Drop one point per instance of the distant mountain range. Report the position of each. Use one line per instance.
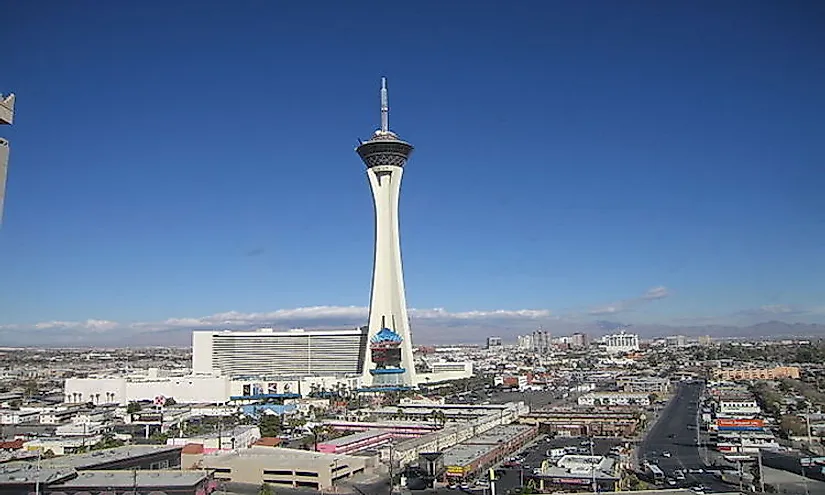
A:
(424, 333)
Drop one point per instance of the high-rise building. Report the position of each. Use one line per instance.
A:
(525, 342)
(494, 342)
(6, 118)
(542, 340)
(676, 341)
(390, 360)
(578, 340)
(621, 342)
(290, 353)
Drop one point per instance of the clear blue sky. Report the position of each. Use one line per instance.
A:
(175, 159)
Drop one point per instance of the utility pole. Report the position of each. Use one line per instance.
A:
(392, 475)
(804, 479)
(808, 424)
(761, 475)
(37, 474)
(739, 465)
(592, 467)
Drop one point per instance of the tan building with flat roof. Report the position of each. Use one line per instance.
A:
(774, 373)
(281, 467)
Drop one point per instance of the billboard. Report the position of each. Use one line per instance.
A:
(740, 424)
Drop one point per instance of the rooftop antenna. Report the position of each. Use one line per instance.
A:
(385, 107)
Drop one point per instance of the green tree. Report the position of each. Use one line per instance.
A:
(270, 425)
(793, 425)
(133, 407)
(159, 438)
(30, 387)
(265, 489)
(107, 442)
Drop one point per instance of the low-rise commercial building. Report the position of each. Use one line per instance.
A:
(233, 438)
(774, 373)
(27, 478)
(18, 416)
(468, 458)
(614, 399)
(572, 422)
(647, 385)
(357, 442)
(141, 457)
(283, 467)
(572, 472)
(166, 481)
(456, 432)
(743, 405)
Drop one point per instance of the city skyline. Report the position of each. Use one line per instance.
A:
(664, 172)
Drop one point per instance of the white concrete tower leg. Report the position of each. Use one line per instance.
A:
(6, 118)
(388, 305)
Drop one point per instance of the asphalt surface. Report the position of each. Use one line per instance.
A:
(538, 452)
(675, 432)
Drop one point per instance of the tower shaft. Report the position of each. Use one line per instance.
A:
(388, 301)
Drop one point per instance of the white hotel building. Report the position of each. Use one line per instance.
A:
(229, 365)
(266, 352)
(621, 343)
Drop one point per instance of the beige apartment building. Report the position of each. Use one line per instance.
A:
(756, 373)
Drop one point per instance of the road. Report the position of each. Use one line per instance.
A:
(675, 433)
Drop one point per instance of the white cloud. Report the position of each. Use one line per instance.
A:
(333, 315)
(625, 305)
(87, 325)
(607, 310)
(773, 310)
(659, 292)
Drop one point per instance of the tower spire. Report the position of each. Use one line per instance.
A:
(385, 107)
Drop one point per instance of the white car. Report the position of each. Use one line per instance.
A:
(666, 454)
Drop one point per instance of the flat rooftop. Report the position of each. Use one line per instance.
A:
(499, 434)
(238, 430)
(277, 454)
(463, 454)
(20, 473)
(98, 457)
(143, 479)
(358, 437)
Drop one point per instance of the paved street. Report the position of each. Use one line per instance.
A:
(675, 433)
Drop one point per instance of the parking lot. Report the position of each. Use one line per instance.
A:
(539, 451)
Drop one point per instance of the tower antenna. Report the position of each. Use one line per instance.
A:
(385, 107)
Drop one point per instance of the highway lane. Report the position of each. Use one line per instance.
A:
(675, 433)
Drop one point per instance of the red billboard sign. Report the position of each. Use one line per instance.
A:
(740, 423)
